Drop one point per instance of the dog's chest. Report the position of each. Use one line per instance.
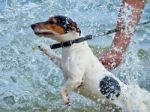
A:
(72, 59)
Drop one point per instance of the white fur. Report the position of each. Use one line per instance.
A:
(83, 73)
(64, 37)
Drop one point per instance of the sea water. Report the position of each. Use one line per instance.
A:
(31, 83)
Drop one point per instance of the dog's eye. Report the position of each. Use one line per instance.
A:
(51, 22)
(59, 21)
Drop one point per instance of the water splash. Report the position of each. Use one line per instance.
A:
(28, 82)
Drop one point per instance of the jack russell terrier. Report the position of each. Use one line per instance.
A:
(82, 70)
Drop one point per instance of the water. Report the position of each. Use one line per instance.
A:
(28, 82)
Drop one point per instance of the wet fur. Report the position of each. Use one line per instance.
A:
(82, 70)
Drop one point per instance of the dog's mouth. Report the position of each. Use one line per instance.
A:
(43, 32)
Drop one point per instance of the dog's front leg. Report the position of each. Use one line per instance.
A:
(56, 59)
(69, 86)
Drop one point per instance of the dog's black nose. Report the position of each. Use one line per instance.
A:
(33, 26)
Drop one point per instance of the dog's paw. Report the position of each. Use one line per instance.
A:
(65, 98)
(67, 102)
(44, 47)
(80, 85)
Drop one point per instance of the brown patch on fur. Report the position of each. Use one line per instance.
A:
(48, 26)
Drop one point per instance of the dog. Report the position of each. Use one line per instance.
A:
(82, 70)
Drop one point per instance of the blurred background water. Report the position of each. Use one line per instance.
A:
(31, 83)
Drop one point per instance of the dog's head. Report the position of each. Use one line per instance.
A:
(59, 28)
